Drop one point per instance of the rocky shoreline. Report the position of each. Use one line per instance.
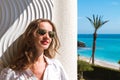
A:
(81, 44)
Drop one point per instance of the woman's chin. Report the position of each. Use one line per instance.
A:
(45, 47)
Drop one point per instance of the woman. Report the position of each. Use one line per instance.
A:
(35, 58)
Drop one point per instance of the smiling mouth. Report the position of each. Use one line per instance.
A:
(45, 42)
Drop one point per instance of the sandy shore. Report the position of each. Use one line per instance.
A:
(102, 63)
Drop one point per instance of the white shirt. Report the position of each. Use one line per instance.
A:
(53, 71)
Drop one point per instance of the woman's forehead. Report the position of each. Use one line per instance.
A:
(46, 26)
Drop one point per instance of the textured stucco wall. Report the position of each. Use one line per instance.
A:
(14, 16)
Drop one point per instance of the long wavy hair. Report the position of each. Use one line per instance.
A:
(27, 55)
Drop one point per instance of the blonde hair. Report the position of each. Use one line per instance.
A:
(27, 52)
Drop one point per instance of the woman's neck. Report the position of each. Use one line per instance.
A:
(41, 58)
(38, 68)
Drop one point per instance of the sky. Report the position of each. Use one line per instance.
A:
(108, 9)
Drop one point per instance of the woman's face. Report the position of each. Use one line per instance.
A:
(42, 35)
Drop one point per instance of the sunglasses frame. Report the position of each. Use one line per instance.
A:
(43, 32)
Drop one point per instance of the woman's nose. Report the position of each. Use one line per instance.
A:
(47, 35)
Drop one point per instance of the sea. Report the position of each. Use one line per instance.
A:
(107, 47)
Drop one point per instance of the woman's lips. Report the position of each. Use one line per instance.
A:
(45, 42)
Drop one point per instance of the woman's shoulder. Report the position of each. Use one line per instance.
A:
(57, 62)
(7, 73)
(10, 74)
(57, 67)
(53, 61)
(7, 70)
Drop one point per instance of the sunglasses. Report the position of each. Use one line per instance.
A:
(43, 32)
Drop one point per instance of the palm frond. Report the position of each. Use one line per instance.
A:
(96, 21)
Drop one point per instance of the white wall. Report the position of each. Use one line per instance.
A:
(65, 17)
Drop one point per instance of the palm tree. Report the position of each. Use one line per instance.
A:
(97, 22)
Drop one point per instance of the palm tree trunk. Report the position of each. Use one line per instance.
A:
(94, 46)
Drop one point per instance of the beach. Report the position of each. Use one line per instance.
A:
(106, 54)
(101, 63)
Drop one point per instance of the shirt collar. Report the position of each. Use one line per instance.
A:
(48, 60)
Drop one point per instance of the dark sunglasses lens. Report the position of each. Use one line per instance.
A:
(51, 34)
(41, 32)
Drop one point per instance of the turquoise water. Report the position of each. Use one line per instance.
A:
(107, 47)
